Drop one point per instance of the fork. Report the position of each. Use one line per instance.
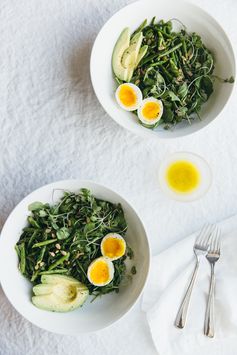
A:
(212, 256)
(200, 249)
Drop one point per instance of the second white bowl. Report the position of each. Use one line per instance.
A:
(196, 20)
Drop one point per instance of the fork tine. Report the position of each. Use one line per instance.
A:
(204, 235)
(218, 241)
(215, 240)
(212, 239)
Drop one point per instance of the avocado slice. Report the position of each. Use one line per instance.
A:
(59, 293)
(130, 74)
(121, 45)
(141, 54)
(53, 303)
(129, 57)
(42, 289)
(57, 278)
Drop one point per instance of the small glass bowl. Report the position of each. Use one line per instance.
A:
(204, 171)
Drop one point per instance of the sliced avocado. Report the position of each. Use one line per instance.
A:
(56, 278)
(121, 45)
(129, 57)
(73, 299)
(130, 74)
(42, 289)
(59, 293)
(141, 54)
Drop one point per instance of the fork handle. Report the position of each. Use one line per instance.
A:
(209, 317)
(183, 309)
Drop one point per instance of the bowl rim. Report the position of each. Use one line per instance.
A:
(146, 133)
(145, 235)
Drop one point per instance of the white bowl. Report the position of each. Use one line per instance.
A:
(92, 316)
(196, 20)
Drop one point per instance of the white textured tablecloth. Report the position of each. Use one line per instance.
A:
(52, 128)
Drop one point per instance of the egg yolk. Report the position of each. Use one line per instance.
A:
(151, 110)
(183, 176)
(113, 247)
(99, 272)
(127, 96)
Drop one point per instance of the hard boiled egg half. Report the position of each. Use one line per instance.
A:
(100, 272)
(128, 96)
(150, 111)
(113, 246)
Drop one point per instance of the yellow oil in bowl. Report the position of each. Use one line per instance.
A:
(183, 176)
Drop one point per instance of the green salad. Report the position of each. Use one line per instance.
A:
(80, 238)
(165, 76)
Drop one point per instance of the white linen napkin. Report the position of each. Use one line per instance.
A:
(169, 276)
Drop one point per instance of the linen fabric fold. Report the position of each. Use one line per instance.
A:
(169, 276)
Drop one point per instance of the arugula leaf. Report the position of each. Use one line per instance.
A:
(63, 233)
(207, 85)
(182, 91)
(171, 95)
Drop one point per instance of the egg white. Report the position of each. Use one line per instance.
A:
(137, 93)
(145, 120)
